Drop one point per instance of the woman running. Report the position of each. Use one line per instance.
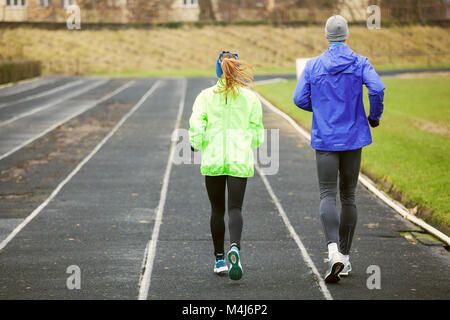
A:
(226, 124)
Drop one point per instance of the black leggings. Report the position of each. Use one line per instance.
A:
(215, 186)
(338, 228)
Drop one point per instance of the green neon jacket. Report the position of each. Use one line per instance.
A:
(226, 130)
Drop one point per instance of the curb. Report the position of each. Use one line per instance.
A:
(367, 182)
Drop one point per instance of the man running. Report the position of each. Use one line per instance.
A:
(331, 87)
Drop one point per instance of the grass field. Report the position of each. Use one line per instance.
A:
(191, 51)
(410, 155)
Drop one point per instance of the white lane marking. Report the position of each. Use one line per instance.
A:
(269, 81)
(367, 182)
(304, 252)
(77, 168)
(144, 284)
(104, 98)
(10, 89)
(42, 94)
(300, 130)
(55, 102)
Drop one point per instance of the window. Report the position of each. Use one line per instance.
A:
(66, 3)
(45, 3)
(190, 3)
(16, 3)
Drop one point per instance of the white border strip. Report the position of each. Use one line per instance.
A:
(304, 252)
(150, 251)
(369, 184)
(77, 168)
(366, 182)
(270, 81)
(104, 98)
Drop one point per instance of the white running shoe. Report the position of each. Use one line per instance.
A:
(346, 270)
(335, 266)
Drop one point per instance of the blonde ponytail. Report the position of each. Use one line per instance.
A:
(236, 73)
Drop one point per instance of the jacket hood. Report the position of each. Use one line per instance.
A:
(338, 58)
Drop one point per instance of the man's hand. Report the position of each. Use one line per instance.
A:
(373, 123)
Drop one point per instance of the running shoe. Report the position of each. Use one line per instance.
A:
(335, 266)
(220, 266)
(347, 268)
(235, 271)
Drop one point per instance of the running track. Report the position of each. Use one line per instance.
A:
(137, 225)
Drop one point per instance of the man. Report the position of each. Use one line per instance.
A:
(331, 88)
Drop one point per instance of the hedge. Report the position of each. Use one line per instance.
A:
(12, 71)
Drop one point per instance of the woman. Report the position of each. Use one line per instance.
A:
(226, 124)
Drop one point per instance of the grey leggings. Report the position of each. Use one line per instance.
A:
(338, 228)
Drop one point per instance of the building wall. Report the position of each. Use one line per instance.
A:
(48, 14)
(353, 10)
(248, 11)
(180, 12)
(118, 11)
(12, 13)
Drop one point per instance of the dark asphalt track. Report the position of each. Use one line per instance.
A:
(102, 219)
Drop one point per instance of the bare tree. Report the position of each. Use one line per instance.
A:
(147, 10)
(415, 10)
(206, 10)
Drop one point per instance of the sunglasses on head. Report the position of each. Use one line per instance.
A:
(228, 52)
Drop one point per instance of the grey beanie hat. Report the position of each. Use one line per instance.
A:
(336, 28)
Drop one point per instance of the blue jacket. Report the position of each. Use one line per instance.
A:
(331, 88)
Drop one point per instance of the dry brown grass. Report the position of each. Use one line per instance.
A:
(190, 48)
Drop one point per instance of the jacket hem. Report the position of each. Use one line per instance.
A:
(207, 172)
(326, 148)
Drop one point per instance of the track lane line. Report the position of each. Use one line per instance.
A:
(150, 251)
(10, 89)
(42, 94)
(322, 286)
(53, 103)
(102, 99)
(36, 211)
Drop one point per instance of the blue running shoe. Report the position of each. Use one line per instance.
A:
(235, 271)
(220, 266)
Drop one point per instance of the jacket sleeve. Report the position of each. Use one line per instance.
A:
(376, 90)
(256, 124)
(302, 93)
(197, 123)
